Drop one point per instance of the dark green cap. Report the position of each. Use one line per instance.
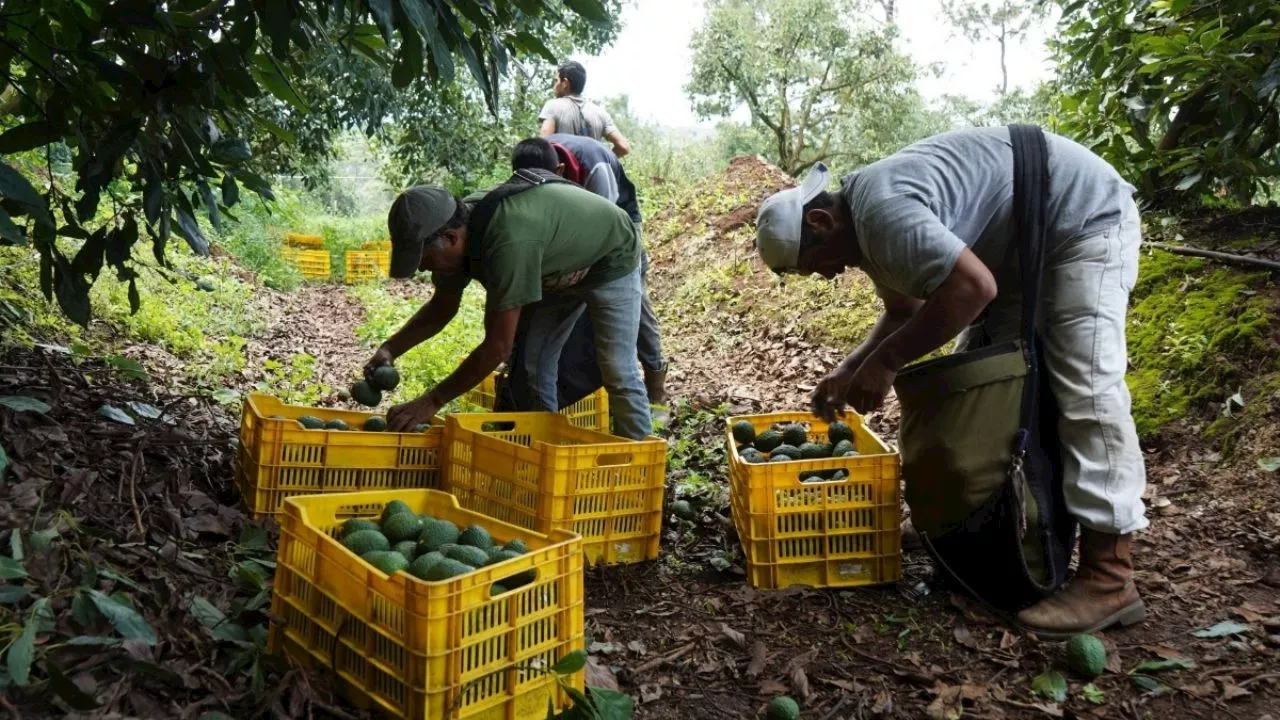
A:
(417, 214)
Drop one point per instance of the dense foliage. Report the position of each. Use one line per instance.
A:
(162, 105)
(1183, 96)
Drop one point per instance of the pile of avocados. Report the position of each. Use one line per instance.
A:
(788, 442)
(373, 424)
(429, 548)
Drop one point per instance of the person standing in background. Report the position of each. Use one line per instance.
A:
(570, 114)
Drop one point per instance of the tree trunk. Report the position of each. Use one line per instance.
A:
(890, 11)
(1004, 68)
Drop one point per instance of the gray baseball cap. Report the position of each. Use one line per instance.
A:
(781, 217)
(417, 214)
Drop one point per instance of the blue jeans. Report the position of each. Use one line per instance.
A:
(614, 308)
(649, 343)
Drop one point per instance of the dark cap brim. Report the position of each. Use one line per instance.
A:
(406, 256)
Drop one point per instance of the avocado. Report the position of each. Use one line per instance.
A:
(838, 431)
(446, 569)
(840, 475)
(1086, 656)
(365, 394)
(516, 546)
(375, 424)
(435, 534)
(768, 440)
(421, 428)
(421, 564)
(335, 424)
(469, 554)
(794, 434)
(357, 524)
(684, 510)
(744, 432)
(751, 455)
(814, 451)
(395, 507)
(496, 590)
(790, 451)
(841, 448)
(204, 284)
(385, 378)
(387, 561)
(407, 548)
(311, 422)
(363, 541)
(780, 458)
(402, 526)
(475, 536)
(782, 708)
(501, 556)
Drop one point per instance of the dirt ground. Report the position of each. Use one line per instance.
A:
(149, 508)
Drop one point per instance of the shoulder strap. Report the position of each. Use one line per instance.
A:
(482, 213)
(1030, 197)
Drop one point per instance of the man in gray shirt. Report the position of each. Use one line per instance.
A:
(570, 114)
(930, 225)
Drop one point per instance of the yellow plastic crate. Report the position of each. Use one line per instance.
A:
(538, 471)
(313, 264)
(303, 241)
(278, 459)
(384, 245)
(367, 265)
(821, 533)
(427, 650)
(591, 412)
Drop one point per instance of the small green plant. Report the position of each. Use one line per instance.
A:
(291, 381)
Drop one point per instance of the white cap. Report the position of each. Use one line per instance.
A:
(781, 215)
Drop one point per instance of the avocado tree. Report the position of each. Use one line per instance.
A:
(1004, 22)
(821, 79)
(1183, 96)
(164, 105)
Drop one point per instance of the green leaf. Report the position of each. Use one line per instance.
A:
(11, 569)
(29, 136)
(16, 188)
(1050, 684)
(215, 621)
(41, 540)
(268, 74)
(1147, 684)
(111, 412)
(9, 232)
(190, 230)
(23, 403)
(226, 396)
(4, 463)
(1188, 181)
(1269, 464)
(210, 205)
(571, 663)
(125, 619)
(22, 653)
(83, 611)
(68, 691)
(1154, 666)
(253, 537)
(15, 545)
(1222, 629)
(130, 367)
(135, 300)
(230, 190)
(381, 10)
(611, 704)
(589, 9)
(72, 292)
(12, 594)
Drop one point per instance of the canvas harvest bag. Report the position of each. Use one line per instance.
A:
(980, 453)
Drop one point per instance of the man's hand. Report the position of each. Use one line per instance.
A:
(870, 384)
(829, 397)
(381, 357)
(406, 417)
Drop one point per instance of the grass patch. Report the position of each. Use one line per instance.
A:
(432, 361)
(1195, 335)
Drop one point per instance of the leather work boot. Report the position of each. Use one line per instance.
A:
(655, 384)
(1101, 594)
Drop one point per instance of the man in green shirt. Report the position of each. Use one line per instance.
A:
(553, 244)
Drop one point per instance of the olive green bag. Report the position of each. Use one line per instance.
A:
(980, 454)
